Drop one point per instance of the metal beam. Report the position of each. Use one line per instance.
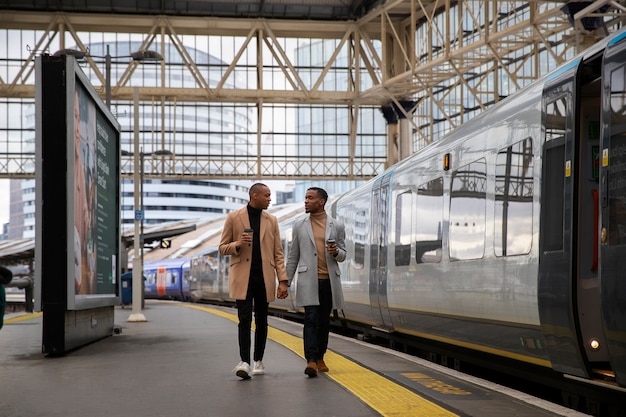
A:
(445, 55)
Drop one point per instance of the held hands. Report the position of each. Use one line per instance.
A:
(283, 290)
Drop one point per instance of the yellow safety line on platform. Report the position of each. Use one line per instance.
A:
(380, 393)
(22, 318)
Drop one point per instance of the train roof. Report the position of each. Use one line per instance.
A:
(166, 262)
(206, 236)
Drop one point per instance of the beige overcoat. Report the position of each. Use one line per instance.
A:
(272, 255)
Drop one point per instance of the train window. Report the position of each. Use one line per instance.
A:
(347, 214)
(429, 218)
(556, 112)
(360, 237)
(556, 118)
(404, 210)
(514, 199)
(552, 196)
(467, 211)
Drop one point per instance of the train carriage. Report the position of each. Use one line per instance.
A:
(209, 277)
(449, 236)
(505, 237)
(167, 279)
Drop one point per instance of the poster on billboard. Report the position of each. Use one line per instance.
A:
(95, 211)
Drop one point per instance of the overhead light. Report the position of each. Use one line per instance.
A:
(146, 55)
(76, 53)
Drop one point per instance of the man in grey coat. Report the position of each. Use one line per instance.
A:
(317, 247)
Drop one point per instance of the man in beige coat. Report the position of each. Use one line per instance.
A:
(252, 239)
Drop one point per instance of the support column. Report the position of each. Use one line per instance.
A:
(399, 130)
(137, 313)
(391, 117)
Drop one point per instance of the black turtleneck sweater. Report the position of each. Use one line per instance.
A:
(254, 215)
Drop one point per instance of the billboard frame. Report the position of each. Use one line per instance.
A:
(77, 238)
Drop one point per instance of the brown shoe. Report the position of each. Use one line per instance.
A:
(321, 366)
(311, 369)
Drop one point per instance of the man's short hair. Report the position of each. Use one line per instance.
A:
(256, 188)
(321, 192)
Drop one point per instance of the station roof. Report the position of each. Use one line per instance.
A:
(16, 251)
(340, 10)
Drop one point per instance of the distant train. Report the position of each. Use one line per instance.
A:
(507, 238)
(209, 277)
(209, 274)
(167, 279)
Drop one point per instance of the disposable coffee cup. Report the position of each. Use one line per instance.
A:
(330, 242)
(248, 231)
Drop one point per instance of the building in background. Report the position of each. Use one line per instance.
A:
(285, 197)
(314, 133)
(21, 209)
(204, 128)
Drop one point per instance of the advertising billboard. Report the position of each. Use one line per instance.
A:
(77, 235)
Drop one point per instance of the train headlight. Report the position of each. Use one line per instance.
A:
(594, 344)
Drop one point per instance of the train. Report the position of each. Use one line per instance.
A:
(505, 239)
(167, 279)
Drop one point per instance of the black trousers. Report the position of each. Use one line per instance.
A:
(257, 298)
(317, 323)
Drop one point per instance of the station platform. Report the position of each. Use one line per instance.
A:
(179, 363)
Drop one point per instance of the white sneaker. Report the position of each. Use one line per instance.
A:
(242, 370)
(258, 368)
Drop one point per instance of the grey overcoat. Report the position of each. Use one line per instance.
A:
(302, 259)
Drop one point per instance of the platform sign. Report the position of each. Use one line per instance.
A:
(78, 214)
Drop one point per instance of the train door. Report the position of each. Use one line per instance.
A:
(185, 280)
(569, 281)
(381, 194)
(557, 230)
(613, 198)
(161, 281)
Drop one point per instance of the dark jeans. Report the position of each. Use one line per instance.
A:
(256, 296)
(317, 323)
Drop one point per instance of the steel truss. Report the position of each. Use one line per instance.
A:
(448, 59)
